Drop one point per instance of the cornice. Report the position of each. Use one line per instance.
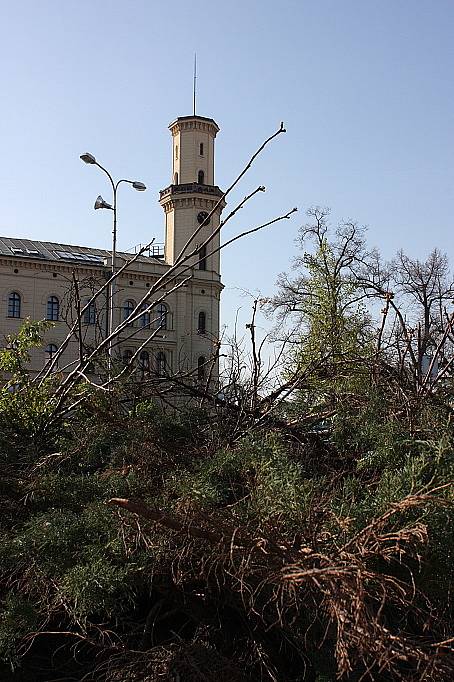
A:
(27, 266)
(185, 123)
(171, 203)
(48, 266)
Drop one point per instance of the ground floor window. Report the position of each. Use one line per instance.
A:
(161, 364)
(49, 352)
(144, 361)
(127, 356)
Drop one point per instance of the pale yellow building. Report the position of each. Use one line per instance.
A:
(39, 279)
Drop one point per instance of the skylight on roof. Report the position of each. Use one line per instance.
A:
(94, 257)
(69, 255)
(32, 253)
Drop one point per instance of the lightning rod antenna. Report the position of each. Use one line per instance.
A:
(195, 80)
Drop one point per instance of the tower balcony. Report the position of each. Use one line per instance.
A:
(191, 188)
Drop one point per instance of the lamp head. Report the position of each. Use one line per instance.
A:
(100, 203)
(139, 186)
(88, 158)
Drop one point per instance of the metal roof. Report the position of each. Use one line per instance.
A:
(53, 251)
(194, 116)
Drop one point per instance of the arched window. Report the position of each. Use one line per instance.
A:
(161, 364)
(144, 361)
(201, 149)
(50, 351)
(201, 368)
(201, 177)
(90, 314)
(14, 304)
(161, 316)
(128, 309)
(203, 258)
(127, 356)
(144, 319)
(201, 323)
(176, 151)
(175, 179)
(53, 308)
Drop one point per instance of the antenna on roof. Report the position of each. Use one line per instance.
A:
(195, 80)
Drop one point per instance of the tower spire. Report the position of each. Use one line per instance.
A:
(194, 84)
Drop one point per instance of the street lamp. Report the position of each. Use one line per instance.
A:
(88, 158)
(101, 203)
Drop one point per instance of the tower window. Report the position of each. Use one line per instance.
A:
(201, 323)
(176, 151)
(201, 368)
(53, 308)
(14, 304)
(201, 149)
(201, 177)
(203, 258)
(175, 179)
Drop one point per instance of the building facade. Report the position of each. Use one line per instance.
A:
(179, 327)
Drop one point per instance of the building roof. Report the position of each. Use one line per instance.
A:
(203, 119)
(194, 116)
(53, 251)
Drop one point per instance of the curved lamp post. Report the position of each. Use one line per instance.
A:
(101, 203)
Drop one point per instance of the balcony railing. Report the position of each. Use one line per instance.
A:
(153, 251)
(191, 187)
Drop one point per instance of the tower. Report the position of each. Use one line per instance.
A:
(192, 194)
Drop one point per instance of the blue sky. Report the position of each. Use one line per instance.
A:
(365, 89)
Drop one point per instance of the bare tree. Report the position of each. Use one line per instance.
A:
(415, 334)
(176, 276)
(427, 289)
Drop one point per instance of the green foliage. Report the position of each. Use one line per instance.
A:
(18, 617)
(52, 539)
(25, 408)
(333, 336)
(25, 422)
(15, 356)
(259, 474)
(362, 427)
(97, 588)
(94, 566)
(172, 428)
(336, 325)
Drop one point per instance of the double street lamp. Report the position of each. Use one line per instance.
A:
(101, 203)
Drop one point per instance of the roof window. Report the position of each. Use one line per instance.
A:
(68, 255)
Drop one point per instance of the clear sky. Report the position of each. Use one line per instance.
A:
(365, 88)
